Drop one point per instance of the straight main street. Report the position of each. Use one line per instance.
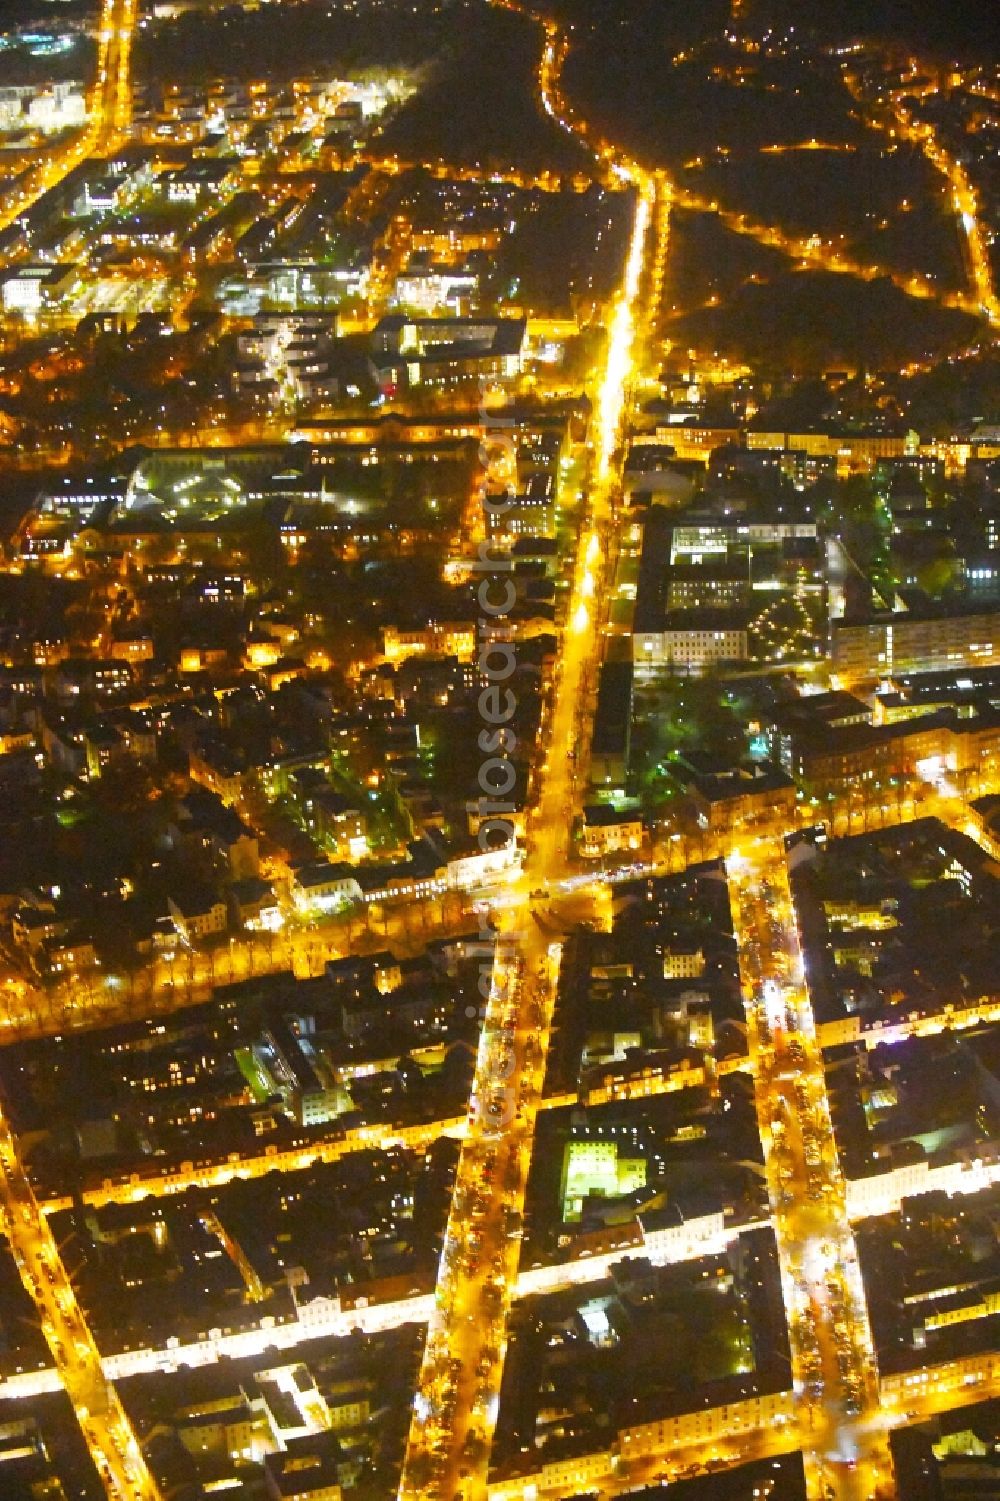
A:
(457, 1398)
(833, 1358)
(112, 1443)
(108, 115)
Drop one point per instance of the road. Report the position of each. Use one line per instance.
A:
(457, 1396)
(610, 1473)
(458, 1390)
(105, 1427)
(109, 113)
(168, 982)
(326, 1318)
(812, 252)
(903, 124)
(833, 1358)
(133, 1187)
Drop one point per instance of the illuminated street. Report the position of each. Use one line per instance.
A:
(105, 1427)
(962, 194)
(832, 1357)
(108, 119)
(455, 1407)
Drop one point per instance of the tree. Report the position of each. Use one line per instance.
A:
(264, 551)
